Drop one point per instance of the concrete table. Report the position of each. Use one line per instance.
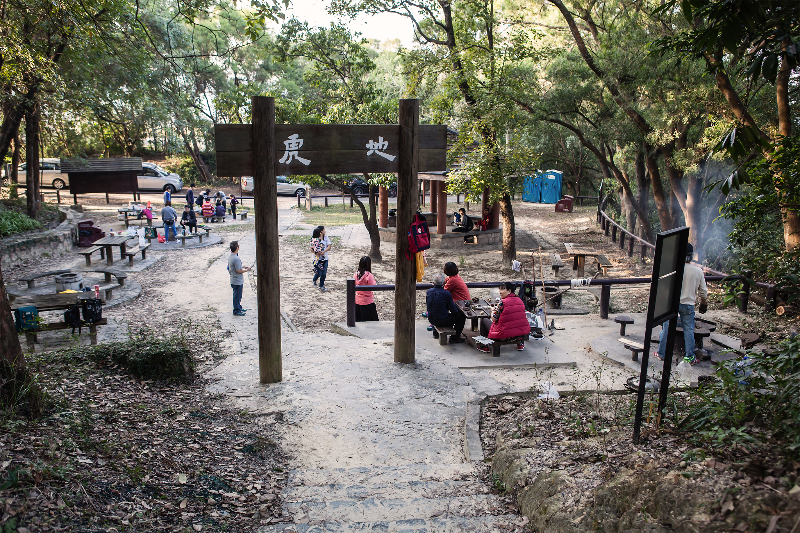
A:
(109, 242)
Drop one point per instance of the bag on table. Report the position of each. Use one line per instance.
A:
(26, 318)
(92, 310)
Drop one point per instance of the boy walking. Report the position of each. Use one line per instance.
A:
(237, 278)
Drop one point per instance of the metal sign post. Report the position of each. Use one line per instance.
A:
(265, 150)
(665, 297)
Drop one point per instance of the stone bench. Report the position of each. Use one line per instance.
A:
(623, 321)
(183, 238)
(556, 263)
(135, 250)
(635, 347)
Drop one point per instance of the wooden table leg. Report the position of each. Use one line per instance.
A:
(109, 254)
(581, 264)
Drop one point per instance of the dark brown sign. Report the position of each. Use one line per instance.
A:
(303, 149)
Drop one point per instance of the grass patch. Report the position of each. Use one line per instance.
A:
(12, 222)
(333, 215)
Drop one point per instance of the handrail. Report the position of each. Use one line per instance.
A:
(604, 284)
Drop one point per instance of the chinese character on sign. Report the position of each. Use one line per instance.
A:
(377, 147)
(292, 146)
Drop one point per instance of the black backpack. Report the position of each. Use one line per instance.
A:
(92, 310)
(72, 317)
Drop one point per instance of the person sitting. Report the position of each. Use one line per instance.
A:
(442, 311)
(146, 213)
(483, 224)
(454, 284)
(219, 212)
(208, 209)
(189, 219)
(462, 222)
(508, 322)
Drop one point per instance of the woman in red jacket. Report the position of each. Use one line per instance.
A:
(454, 284)
(508, 319)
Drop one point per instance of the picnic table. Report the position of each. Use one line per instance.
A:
(109, 242)
(579, 255)
(125, 211)
(56, 302)
(474, 311)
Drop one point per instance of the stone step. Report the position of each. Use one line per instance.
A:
(384, 474)
(482, 524)
(401, 490)
(391, 509)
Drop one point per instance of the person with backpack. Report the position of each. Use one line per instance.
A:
(237, 270)
(169, 216)
(365, 301)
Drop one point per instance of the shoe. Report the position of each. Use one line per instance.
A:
(655, 354)
(238, 313)
(243, 311)
(323, 289)
(520, 346)
(482, 348)
(435, 334)
(424, 314)
(691, 360)
(315, 283)
(430, 328)
(455, 340)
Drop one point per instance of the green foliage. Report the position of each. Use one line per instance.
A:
(753, 403)
(12, 222)
(167, 359)
(20, 392)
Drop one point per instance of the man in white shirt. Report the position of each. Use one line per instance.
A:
(694, 285)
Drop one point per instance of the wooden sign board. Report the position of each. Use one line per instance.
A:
(109, 175)
(303, 149)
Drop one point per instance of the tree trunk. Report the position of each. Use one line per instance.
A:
(627, 209)
(14, 174)
(10, 349)
(203, 168)
(32, 156)
(509, 240)
(674, 209)
(643, 189)
(659, 195)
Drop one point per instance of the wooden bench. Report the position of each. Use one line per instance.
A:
(623, 321)
(634, 346)
(31, 280)
(603, 263)
(444, 333)
(556, 263)
(183, 238)
(121, 276)
(133, 251)
(699, 334)
(31, 338)
(497, 343)
(206, 232)
(143, 220)
(87, 253)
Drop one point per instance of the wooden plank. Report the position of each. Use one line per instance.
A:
(405, 301)
(110, 164)
(236, 164)
(265, 186)
(323, 137)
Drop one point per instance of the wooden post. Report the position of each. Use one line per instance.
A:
(107, 200)
(434, 196)
(383, 207)
(605, 300)
(614, 234)
(75, 199)
(405, 302)
(422, 196)
(350, 299)
(494, 216)
(441, 215)
(265, 190)
(58, 196)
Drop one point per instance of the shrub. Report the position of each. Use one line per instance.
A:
(12, 222)
(753, 403)
(166, 359)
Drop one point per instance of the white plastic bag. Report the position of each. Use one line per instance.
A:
(140, 233)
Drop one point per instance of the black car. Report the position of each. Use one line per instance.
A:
(361, 188)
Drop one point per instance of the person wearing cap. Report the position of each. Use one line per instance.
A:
(694, 285)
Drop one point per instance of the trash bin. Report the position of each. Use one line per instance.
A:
(564, 205)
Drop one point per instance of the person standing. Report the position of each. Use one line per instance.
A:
(322, 254)
(365, 301)
(167, 196)
(237, 271)
(442, 311)
(234, 203)
(694, 285)
(190, 195)
(169, 216)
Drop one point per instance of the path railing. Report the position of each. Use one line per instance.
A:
(609, 226)
(604, 284)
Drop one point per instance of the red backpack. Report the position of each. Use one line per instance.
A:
(419, 238)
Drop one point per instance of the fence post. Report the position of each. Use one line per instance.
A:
(608, 223)
(769, 305)
(613, 234)
(644, 252)
(298, 200)
(351, 303)
(605, 300)
(631, 242)
(107, 200)
(58, 196)
(621, 240)
(326, 201)
(744, 295)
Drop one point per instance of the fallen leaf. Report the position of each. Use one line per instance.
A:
(182, 479)
(183, 503)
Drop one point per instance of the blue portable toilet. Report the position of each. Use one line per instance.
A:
(551, 186)
(532, 189)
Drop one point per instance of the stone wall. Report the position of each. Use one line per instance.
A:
(451, 240)
(31, 246)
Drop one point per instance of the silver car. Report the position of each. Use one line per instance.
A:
(49, 170)
(155, 178)
(284, 187)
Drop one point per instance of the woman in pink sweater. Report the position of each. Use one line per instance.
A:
(365, 303)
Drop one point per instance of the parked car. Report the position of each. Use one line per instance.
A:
(284, 187)
(49, 170)
(155, 178)
(361, 187)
